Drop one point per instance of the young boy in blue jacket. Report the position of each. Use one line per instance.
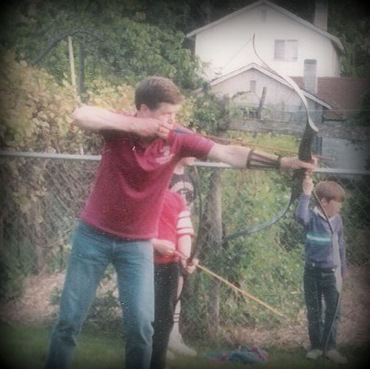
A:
(324, 265)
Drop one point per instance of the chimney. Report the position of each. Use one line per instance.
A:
(310, 75)
(321, 14)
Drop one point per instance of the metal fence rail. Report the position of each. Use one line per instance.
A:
(42, 195)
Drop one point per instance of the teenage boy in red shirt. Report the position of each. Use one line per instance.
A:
(139, 154)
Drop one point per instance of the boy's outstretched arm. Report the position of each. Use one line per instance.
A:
(240, 157)
(302, 213)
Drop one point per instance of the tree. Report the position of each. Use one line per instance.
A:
(114, 37)
(127, 40)
(349, 22)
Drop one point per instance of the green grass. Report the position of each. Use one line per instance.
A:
(25, 348)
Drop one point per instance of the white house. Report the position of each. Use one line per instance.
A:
(287, 43)
(240, 53)
(254, 87)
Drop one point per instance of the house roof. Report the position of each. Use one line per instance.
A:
(272, 75)
(344, 94)
(230, 16)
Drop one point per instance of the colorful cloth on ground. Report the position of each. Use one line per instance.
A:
(245, 355)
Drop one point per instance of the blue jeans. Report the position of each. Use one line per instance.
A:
(323, 321)
(91, 253)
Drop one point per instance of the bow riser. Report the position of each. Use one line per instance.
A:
(304, 151)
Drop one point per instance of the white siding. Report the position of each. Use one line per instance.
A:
(277, 95)
(227, 46)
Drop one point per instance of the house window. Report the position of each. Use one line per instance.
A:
(286, 50)
(252, 86)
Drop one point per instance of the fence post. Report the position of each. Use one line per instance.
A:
(215, 244)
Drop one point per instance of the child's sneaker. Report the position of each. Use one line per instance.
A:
(336, 357)
(177, 345)
(314, 354)
(170, 355)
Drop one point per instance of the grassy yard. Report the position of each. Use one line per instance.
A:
(25, 348)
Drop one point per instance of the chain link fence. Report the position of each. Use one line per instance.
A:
(260, 284)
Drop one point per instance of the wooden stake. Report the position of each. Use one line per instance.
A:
(71, 61)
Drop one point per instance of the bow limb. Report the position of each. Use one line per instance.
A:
(304, 154)
(195, 248)
(310, 131)
(197, 185)
(259, 227)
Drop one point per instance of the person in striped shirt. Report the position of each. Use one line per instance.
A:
(175, 233)
(325, 254)
(183, 183)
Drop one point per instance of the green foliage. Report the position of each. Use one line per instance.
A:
(290, 231)
(105, 314)
(208, 112)
(110, 38)
(349, 23)
(15, 264)
(354, 213)
(263, 263)
(117, 97)
(131, 51)
(260, 265)
(36, 111)
(37, 117)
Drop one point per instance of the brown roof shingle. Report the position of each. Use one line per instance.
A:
(344, 94)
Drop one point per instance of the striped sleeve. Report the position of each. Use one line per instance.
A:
(319, 239)
(184, 225)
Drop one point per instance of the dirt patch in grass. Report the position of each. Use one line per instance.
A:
(36, 308)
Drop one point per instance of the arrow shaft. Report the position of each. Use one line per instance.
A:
(235, 288)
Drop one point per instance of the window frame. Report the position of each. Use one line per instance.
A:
(286, 50)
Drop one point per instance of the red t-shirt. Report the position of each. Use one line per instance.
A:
(174, 222)
(132, 177)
